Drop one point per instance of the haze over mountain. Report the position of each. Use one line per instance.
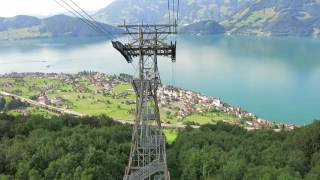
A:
(277, 17)
(204, 27)
(136, 11)
(22, 27)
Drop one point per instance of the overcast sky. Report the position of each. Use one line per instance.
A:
(10, 8)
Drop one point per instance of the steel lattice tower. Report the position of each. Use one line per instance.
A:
(148, 149)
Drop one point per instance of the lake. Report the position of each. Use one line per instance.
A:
(277, 78)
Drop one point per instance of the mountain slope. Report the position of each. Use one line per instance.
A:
(206, 27)
(18, 22)
(277, 17)
(136, 11)
(22, 27)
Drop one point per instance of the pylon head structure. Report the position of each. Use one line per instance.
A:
(148, 149)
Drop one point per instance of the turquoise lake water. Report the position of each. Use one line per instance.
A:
(276, 78)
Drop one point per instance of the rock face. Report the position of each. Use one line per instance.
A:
(151, 11)
(276, 17)
(22, 27)
(204, 27)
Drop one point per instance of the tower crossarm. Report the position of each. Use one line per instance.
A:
(150, 29)
(130, 51)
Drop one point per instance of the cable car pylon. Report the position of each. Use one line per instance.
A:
(148, 149)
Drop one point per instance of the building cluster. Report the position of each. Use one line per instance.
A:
(6, 84)
(186, 101)
(104, 83)
(56, 101)
(180, 101)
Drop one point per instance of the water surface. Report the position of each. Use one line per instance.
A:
(276, 78)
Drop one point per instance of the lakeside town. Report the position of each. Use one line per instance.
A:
(177, 104)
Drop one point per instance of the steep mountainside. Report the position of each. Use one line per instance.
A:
(21, 27)
(206, 27)
(136, 11)
(277, 17)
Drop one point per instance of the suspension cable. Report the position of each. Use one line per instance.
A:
(173, 11)
(169, 11)
(95, 22)
(83, 20)
(178, 9)
(81, 17)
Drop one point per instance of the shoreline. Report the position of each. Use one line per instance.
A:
(176, 98)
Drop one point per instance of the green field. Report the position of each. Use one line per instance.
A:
(113, 104)
(171, 135)
(209, 117)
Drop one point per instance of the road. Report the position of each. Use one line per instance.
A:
(77, 114)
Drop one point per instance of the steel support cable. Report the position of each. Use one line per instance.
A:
(173, 67)
(77, 16)
(172, 74)
(83, 17)
(173, 11)
(135, 69)
(169, 11)
(83, 20)
(178, 9)
(93, 20)
(88, 22)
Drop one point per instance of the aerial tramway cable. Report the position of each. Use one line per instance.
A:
(178, 9)
(93, 20)
(83, 17)
(173, 2)
(96, 26)
(77, 14)
(169, 10)
(74, 14)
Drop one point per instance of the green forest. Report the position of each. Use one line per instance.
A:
(229, 152)
(40, 147)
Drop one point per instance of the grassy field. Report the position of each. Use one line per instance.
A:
(171, 135)
(209, 117)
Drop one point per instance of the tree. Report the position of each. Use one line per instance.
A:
(314, 173)
(65, 147)
(2, 103)
(15, 104)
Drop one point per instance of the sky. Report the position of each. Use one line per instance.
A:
(9, 8)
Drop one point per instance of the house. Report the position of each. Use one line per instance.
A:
(43, 100)
(57, 101)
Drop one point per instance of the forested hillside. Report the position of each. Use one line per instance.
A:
(136, 11)
(228, 152)
(67, 148)
(22, 27)
(277, 17)
(37, 147)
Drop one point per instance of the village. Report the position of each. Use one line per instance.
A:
(177, 102)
